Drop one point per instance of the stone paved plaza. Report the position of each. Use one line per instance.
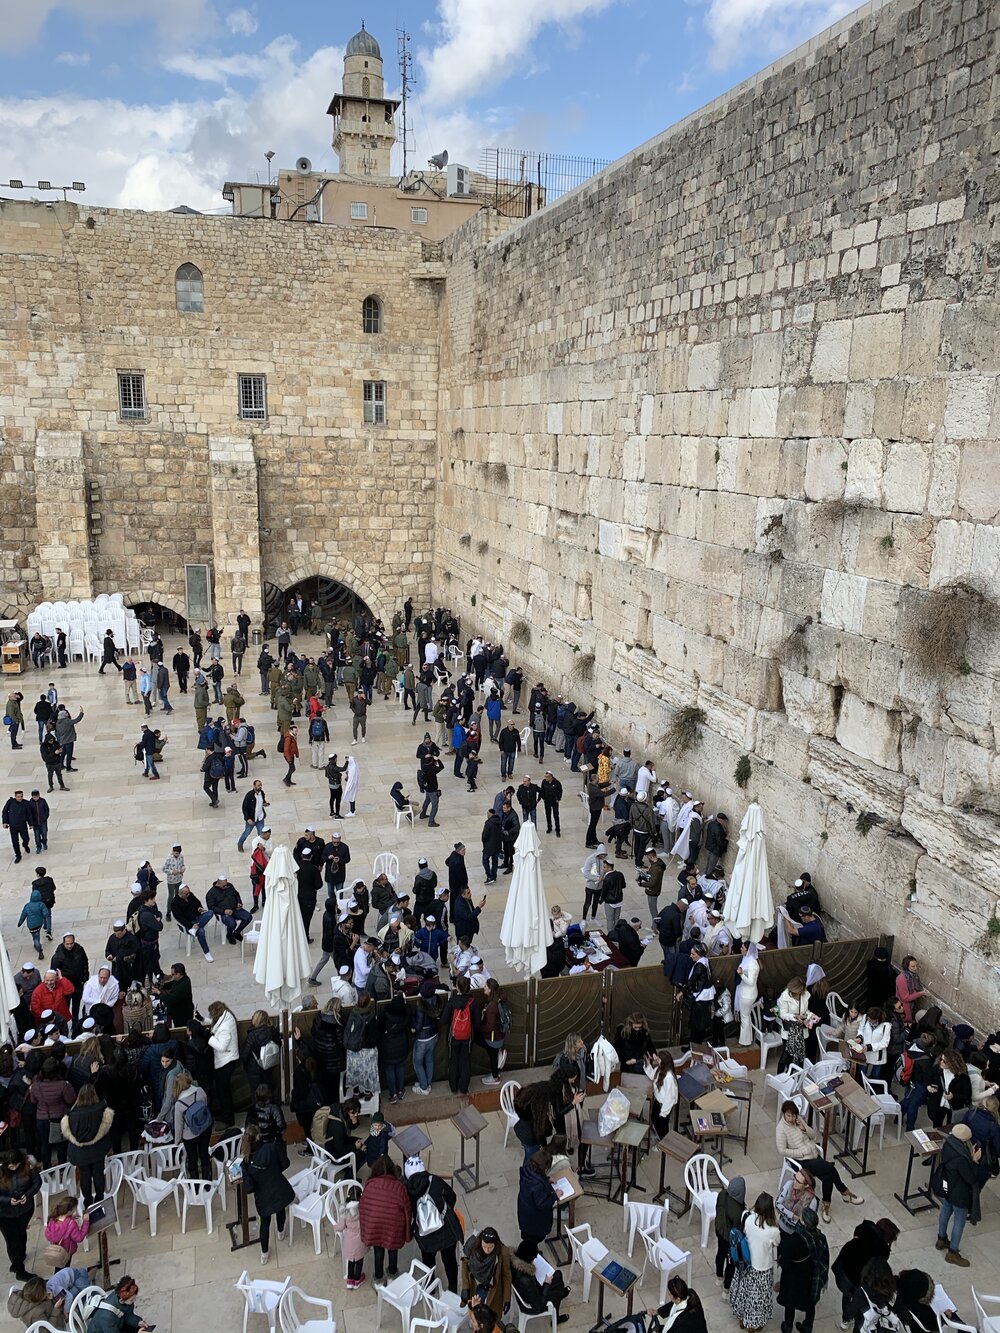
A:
(112, 818)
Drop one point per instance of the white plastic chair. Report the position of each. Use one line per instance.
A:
(446, 1305)
(251, 938)
(789, 1166)
(150, 1193)
(309, 1210)
(697, 1177)
(507, 1094)
(81, 1308)
(643, 1217)
(403, 812)
(837, 1006)
(56, 1180)
(134, 1162)
(387, 862)
(114, 1175)
(428, 1326)
(785, 1085)
(800, 1102)
(167, 1159)
(767, 1041)
(325, 1163)
(290, 1313)
(823, 1070)
(228, 1150)
(198, 1194)
(75, 644)
(523, 1315)
(261, 1296)
(889, 1108)
(587, 1251)
(404, 1293)
(987, 1323)
(665, 1258)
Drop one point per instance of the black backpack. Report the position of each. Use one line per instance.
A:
(217, 768)
(355, 1030)
(138, 753)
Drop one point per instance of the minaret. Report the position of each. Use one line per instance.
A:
(363, 127)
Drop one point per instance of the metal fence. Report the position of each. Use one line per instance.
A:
(518, 182)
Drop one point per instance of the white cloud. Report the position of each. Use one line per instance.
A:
(241, 22)
(21, 21)
(224, 69)
(75, 58)
(482, 40)
(766, 27)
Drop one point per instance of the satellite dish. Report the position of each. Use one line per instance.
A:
(303, 166)
(439, 161)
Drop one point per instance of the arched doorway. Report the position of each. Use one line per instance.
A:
(336, 600)
(154, 615)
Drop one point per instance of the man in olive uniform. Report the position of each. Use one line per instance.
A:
(401, 648)
(311, 679)
(200, 698)
(350, 676)
(273, 682)
(286, 708)
(233, 701)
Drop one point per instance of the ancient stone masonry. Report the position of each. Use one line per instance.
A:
(86, 293)
(724, 418)
(717, 431)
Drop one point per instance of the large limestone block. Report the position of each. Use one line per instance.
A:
(836, 772)
(923, 752)
(906, 476)
(832, 353)
(764, 411)
(876, 342)
(753, 679)
(703, 366)
(966, 842)
(843, 603)
(783, 745)
(951, 906)
(979, 481)
(734, 720)
(970, 399)
(971, 773)
(869, 731)
(968, 705)
(810, 705)
(865, 467)
(824, 469)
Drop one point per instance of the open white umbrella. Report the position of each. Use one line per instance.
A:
(282, 962)
(526, 930)
(749, 910)
(9, 997)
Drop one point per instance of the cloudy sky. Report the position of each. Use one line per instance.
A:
(154, 103)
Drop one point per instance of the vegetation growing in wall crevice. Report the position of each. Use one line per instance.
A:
(520, 633)
(947, 617)
(497, 473)
(685, 730)
(465, 539)
(835, 510)
(583, 667)
(743, 771)
(482, 547)
(867, 820)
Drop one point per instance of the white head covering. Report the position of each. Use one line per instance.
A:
(752, 951)
(413, 1166)
(813, 974)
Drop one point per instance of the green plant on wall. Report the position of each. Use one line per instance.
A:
(743, 770)
(948, 616)
(520, 633)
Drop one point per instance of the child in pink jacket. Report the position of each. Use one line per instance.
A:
(354, 1248)
(64, 1227)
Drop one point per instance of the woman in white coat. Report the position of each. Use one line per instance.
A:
(751, 1295)
(225, 1043)
(746, 991)
(351, 779)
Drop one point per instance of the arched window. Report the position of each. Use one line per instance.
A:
(190, 287)
(371, 314)
(366, 86)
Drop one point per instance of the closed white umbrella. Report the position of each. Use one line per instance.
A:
(526, 930)
(9, 997)
(749, 910)
(282, 962)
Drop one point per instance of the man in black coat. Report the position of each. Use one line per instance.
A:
(698, 994)
(18, 818)
(458, 873)
(626, 935)
(122, 952)
(510, 827)
(71, 960)
(528, 795)
(336, 859)
(551, 792)
(223, 899)
(716, 841)
(310, 878)
(671, 931)
(492, 845)
(465, 916)
(314, 842)
(182, 669)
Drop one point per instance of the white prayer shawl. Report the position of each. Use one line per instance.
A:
(785, 939)
(697, 915)
(682, 846)
(352, 779)
(669, 811)
(606, 1061)
(717, 938)
(95, 993)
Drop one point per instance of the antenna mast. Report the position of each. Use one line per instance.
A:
(406, 82)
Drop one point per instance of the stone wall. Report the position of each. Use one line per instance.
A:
(715, 425)
(85, 293)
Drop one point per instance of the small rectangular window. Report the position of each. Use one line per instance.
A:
(253, 397)
(131, 395)
(359, 211)
(375, 402)
(418, 215)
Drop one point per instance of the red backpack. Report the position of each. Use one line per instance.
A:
(461, 1023)
(904, 1067)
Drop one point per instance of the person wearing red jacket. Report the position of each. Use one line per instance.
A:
(52, 993)
(385, 1212)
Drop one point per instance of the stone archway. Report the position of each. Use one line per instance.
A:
(155, 593)
(369, 589)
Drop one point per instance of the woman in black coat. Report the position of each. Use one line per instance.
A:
(264, 1166)
(394, 1043)
(328, 1050)
(683, 1312)
(260, 1034)
(633, 1044)
(533, 1296)
(19, 1183)
(804, 1264)
(536, 1198)
(86, 1127)
(444, 1240)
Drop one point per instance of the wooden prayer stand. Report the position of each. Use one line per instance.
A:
(470, 1124)
(678, 1151)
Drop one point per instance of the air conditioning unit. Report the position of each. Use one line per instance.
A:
(311, 212)
(459, 180)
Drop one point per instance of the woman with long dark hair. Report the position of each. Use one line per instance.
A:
(683, 1312)
(751, 1295)
(87, 1130)
(19, 1183)
(664, 1092)
(52, 1096)
(264, 1165)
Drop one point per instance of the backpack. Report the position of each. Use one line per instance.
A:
(354, 1031)
(880, 1319)
(198, 1118)
(132, 924)
(316, 729)
(461, 1023)
(88, 1303)
(904, 1067)
(269, 1055)
(138, 753)
(251, 736)
(217, 768)
(739, 1246)
(505, 1016)
(318, 1125)
(429, 1215)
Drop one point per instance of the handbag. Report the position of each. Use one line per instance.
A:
(269, 1055)
(56, 1255)
(55, 1132)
